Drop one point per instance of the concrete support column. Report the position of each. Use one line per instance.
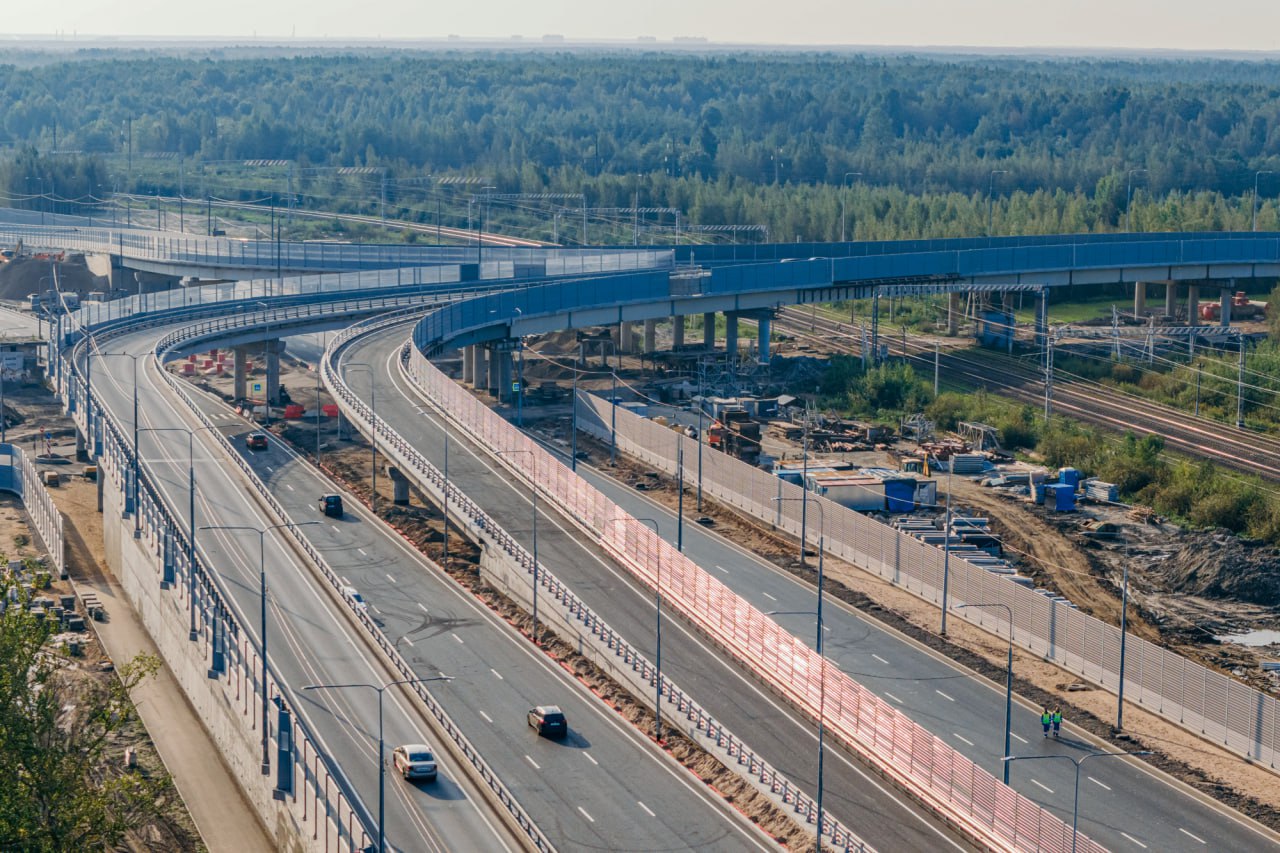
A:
(677, 332)
(506, 374)
(709, 329)
(272, 358)
(1042, 317)
(1225, 306)
(731, 334)
(1193, 305)
(650, 335)
(240, 373)
(766, 328)
(494, 383)
(468, 364)
(1006, 301)
(1170, 298)
(479, 367)
(626, 337)
(953, 314)
(1140, 298)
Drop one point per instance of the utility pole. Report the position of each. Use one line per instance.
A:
(936, 359)
(1240, 385)
(1048, 380)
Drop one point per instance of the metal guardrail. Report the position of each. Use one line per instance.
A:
(333, 803)
(45, 516)
(212, 329)
(432, 480)
(902, 750)
(1207, 703)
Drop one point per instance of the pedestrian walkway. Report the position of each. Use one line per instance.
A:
(223, 817)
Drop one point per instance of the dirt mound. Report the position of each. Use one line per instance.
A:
(21, 277)
(1217, 564)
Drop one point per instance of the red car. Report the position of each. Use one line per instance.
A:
(256, 441)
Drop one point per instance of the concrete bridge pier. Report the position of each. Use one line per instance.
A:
(1042, 317)
(709, 330)
(1193, 305)
(478, 367)
(1170, 298)
(731, 334)
(506, 373)
(240, 373)
(494, 378)
(677, 332)
(765, 326)
(650, 335)
(1140, 298)
(626, 339)
(1225, 305)
(271, 356)
(468, 365)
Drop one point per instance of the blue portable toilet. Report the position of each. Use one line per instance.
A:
(1069, 477)
(1037, 492)
(1064, 498)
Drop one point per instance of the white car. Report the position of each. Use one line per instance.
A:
(414, 761)
(351, 594)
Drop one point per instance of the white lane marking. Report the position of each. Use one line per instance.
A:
(1189, 835)
(584, 814)
(407, 640)
(894, 698)
(487, 718)
(826, 628)
(1134, 840)
(770, 597)
(456, 637)
(423, 609)
(1019, 737)
(534, 763)
(726, 571)
(963, 738)
(375, 608)
(943, 695)
(589, 758)
(1046, 787)
(495, 672)
(393, 580)
(335, 527)
(647, 810)
(1101, 784)
(269, 468)
(877, 657)
(290, 487)
(362, 552)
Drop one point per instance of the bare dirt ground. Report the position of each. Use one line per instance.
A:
(421, 524)
(1224, 776)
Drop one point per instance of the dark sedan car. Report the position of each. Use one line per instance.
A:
(548, 720)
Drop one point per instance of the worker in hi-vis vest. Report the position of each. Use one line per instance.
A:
(1046, 719)
(1057, 720)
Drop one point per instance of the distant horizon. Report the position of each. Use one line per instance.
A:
(65, 41)
(1077, 26)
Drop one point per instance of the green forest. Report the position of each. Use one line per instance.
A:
(805, 145)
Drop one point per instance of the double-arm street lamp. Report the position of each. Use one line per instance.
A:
(1008, 681)
(822, 672)
(657, 600)
(262, 619)
(191, 514)
(137, 517)
(382, 764)
(1075, 809)
(373, 428)
(533, 490)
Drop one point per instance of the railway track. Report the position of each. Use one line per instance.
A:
(1092, 403)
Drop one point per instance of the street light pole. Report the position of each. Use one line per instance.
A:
(946, 546)
(373, 430)
(822, 674)
(382, 764)
(262, 621)
(533, 490)
(1124, 633)
(1008, 681)
(1075, 808)
(1257, 175)
(137, 518)
(657, 599)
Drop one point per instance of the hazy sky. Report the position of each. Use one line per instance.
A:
(1175, 24)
